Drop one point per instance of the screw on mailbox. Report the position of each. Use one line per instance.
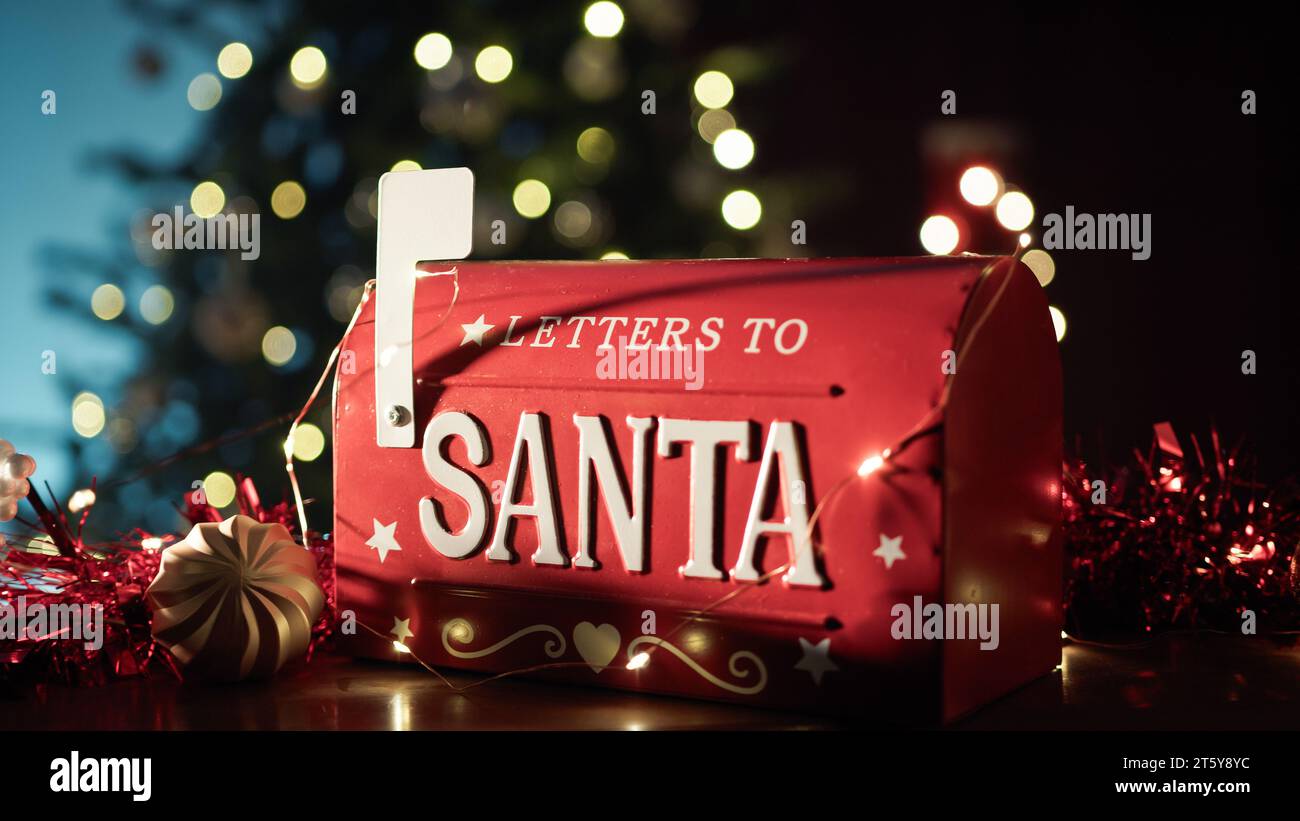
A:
(398, 416)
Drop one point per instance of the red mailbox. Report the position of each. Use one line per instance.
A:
(820, 485)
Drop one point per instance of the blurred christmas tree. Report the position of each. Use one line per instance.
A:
(590, 129)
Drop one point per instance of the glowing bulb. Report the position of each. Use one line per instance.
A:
(1015, 211)
(873, 463)
(204, 92)
(81, 500)
(532, 198)
(279, 345)
(433, 51)
(108, 301)
(157, 304)
(493, 64)
(1058, 321)
(288, 199)
(207, 199)
(1042, 264)
(401, 648)
(596, 146)
(1024, 240)
(603, 19)
(151, 543)
(742, 210)
(638, 661)
(308, 442)
(733, 149)
(713, 89)
(87, 414)
(980, 185)
(234, 61)
(307, 67)
(939, 235)
(219, 488)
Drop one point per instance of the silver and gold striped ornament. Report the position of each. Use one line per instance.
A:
(236, 599)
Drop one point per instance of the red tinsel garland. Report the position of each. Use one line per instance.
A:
(71, 572)
(1168, 542)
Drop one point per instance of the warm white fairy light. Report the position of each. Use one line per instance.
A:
(401, 648)
(639, 660)
(81, 500)
(873, 463)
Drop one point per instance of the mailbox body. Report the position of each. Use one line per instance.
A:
(851, 351)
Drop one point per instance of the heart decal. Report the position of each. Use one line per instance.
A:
(597, 645)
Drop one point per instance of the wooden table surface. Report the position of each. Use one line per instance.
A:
(1178, 682)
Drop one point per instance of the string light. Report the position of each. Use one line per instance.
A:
(531, 198)
(433, 51)
(288, 200)
(603, 19)
(279, 345)
(401, 648)
(733, 149)
(87, 414)
(980, 185)
(713, 89)
(742, 209)
(108, 302)
(639, 660)
(219, 488)
(81, 500)
(1015, 211)
(493, 64)
(1058, 321)
(156, 304)
(939, 235)
(307, 67)
(234, 61)
(207, 199)
(204, 92)
(873, 463)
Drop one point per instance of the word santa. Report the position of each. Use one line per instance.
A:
(781, 462)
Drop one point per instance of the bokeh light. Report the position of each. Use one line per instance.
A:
(108, 301)
(596, 146)
(1015, 211)
(573, 219)
(307, 68)
(531, 198)
(219, 488)
(87, 414)
(493, 64)
(234, 61)
(603, 19)
(614, 255)
(207, 199)
(1058, 321)
(939, 235)
(1042, 264)
(714, 122)
(433, 51)
(308, 442)
(406, 165)
(980, 185)
(288, 199)
(80, 500)
(713, 89)
(742, 209)
(156, 304)
(204, 92)
(733, 149)
(279, 345)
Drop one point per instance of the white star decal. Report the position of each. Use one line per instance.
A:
(891, 550)
(474, 330)
(816, 659)
(402, 629)
(383, 540)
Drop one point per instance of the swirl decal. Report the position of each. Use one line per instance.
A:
(739, 655)
(462, 632)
